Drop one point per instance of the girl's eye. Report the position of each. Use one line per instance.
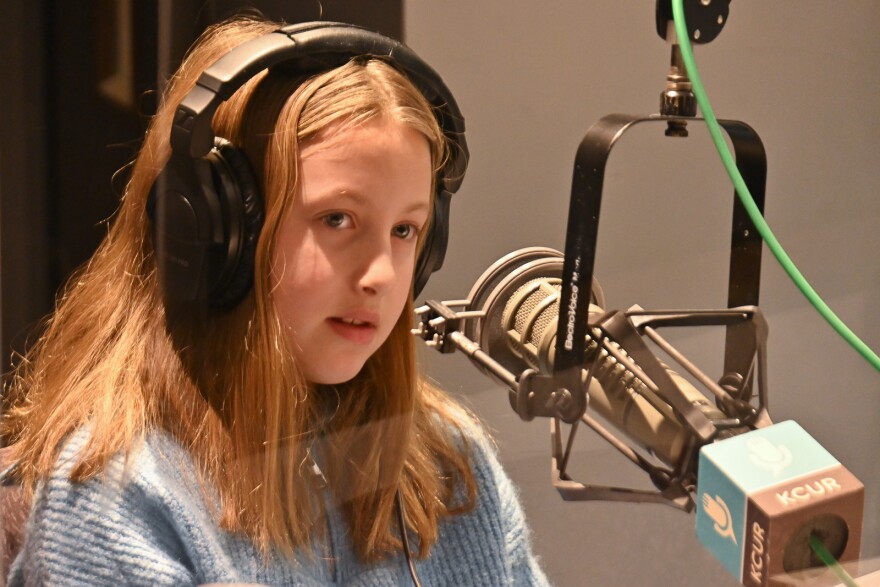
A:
(337, 220)
(405, 231)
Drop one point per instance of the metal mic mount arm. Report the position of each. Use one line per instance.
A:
(582, 236)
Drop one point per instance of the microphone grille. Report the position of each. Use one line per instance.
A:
(544, 317)
(530, 315)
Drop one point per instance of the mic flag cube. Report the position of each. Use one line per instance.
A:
(762, 495)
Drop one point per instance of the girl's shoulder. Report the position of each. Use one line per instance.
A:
(154, 483)
(156, 459)
(147, 501)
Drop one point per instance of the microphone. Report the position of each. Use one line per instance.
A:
(519, 298)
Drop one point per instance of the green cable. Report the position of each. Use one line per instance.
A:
(743, 191)
(828, 559)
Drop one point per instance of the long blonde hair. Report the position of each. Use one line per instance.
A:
(251, 422)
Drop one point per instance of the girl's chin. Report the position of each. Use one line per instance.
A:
(334, 376)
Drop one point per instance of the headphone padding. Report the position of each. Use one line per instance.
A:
(434, 248)
(249, 200)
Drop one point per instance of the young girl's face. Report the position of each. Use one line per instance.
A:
(345, 253)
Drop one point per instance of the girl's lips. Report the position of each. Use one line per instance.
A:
(359, 332)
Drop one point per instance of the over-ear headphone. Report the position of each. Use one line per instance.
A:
(206, 207)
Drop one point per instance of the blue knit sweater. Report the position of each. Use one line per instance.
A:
(147, 523)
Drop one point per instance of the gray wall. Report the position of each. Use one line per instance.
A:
(531, 77)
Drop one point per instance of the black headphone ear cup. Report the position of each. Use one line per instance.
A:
(434, 249)
(240, 197)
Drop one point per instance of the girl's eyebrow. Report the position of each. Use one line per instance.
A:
(417, 207)
(356, 197)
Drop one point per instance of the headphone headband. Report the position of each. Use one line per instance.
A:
(311, 48)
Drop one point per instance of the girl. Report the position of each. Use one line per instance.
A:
(285, 438)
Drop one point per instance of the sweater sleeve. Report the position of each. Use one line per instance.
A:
(105, 531)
